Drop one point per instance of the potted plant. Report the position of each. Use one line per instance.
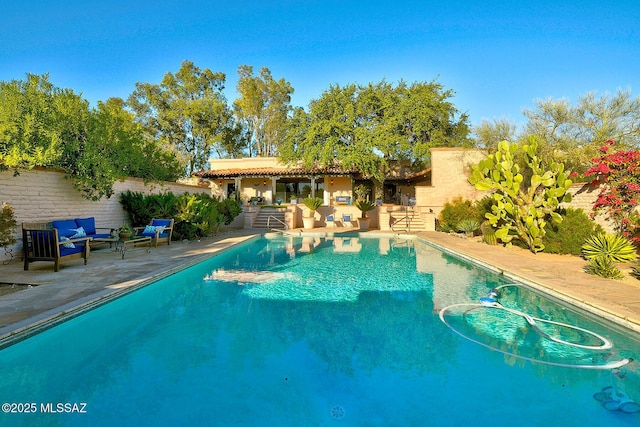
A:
(312, 203)
(125, 231)
(8, 226)
(364, 206)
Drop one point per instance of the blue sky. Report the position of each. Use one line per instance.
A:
(498, 56)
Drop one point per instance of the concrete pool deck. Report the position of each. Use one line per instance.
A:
(107, 275)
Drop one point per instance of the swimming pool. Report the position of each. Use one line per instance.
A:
(310, 331)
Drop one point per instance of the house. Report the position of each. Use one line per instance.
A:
(409, 201)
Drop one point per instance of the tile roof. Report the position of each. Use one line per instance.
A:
(296, 171)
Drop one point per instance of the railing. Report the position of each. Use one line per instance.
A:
(406, 219)
(270, 217)
(402, 243)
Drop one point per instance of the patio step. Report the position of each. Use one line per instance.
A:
(416, 223)
(263, 218)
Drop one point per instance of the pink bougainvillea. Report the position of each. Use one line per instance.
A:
(618, 174)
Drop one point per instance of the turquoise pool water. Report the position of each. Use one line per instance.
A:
(314, 332)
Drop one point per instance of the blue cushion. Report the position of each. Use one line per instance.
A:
(66, 232)
(69, 251)
(89, 224)
(42, 236)
(64, 224)
(100, 235)
(161, 222)
(329, 217)
(347, 217)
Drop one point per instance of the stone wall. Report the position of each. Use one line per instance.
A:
(43, 195)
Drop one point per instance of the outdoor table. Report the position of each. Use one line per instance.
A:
(122, 243)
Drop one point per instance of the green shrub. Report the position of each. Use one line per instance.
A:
(610, 246)
(454, 213)
(8, 225)
(603, 267)
(569, 236)
(196, 215)
(483, 206)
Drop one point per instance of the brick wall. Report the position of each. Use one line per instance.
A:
(42, 195)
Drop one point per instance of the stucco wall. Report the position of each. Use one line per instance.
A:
(583, 197)
(42, 195)
(449, 173)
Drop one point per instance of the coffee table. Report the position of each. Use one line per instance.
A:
(122, 243)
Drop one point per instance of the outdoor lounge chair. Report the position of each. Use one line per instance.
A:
(160, 230)
(41, 242)
(346, 220)
(330, 221)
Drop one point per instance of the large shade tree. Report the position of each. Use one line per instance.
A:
(262, 110)
(187, 112)
(370, 127)
(31, 129)
(43, 125)
(573, 134)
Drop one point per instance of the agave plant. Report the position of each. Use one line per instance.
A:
(635, 270)
(468, 226)
(603, 267)
(611, 246)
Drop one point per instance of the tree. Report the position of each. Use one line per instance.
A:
(186, 112)
(117, 136)
(369, 127)
(522, 209)
(489, 134)
(42, 125)
(618, 176)
(263, 109)
(573, 134)
(30, 133)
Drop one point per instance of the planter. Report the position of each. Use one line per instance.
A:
(363, 223)
(124, 235)
(308, 221)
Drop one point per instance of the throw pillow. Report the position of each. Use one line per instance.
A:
(68, 245)
(79, 233)
(149, 229)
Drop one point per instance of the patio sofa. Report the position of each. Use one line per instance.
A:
(71, 227)
(343, 200)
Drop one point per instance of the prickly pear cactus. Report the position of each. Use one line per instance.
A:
(523, 206)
